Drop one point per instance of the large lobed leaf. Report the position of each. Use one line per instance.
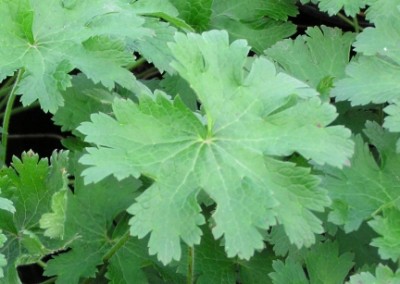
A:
(50, 39)
(306, 57)
(369, 190)
(261, 23)
(375, 75)
(250, 117)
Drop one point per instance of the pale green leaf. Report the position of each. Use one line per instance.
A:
(6, 204)
(247, 116)
(382, 9)
(306, 57)
(53, 222)
(383, 275)
(350, 7)
(154, 48)
(54, 39)
(81, 100)
(359, 88)
(388, 227)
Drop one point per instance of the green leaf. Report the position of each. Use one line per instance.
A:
(81, 100)
(154, 48)
(249, 118)
(196, 13)
(86, 226)
(229, 270)
(54, 222)
(175, 85)
(261, 23)
(383, 275)
(29, 184)
(365, 187)
(6, 204)
(3, 260)
(55, 39)
(288, 272)
(332, 7)
(380, 61)
(388, 226)
(382, 9)
(261, 33)
(306, 57)
(322, 263)
(325, 265)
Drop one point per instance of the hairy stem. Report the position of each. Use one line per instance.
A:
(7, 117)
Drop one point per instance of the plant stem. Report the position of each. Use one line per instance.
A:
(21, 109)
(116, 246)
(136, 64)
(354, 23)
(148, 73)
(7, 117)
(190, 275)
(48, 281)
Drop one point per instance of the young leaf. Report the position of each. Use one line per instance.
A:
(248, 116)
(54, 39)
(30, 184)
(306, 57)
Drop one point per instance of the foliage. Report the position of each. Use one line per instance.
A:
(205, 142)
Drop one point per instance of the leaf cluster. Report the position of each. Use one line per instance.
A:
(205, 142)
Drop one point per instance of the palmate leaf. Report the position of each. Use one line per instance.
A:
(306, 57)
(249, 117)
(369, 190)
(261, 23)
(374, 77)
(332, 7)
(383, 274)
(49, 39)
(86, 217)
(81, 100)
(229, 270)
(323, 263)
(29, 183)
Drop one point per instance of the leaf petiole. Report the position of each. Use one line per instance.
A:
(7, 117)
